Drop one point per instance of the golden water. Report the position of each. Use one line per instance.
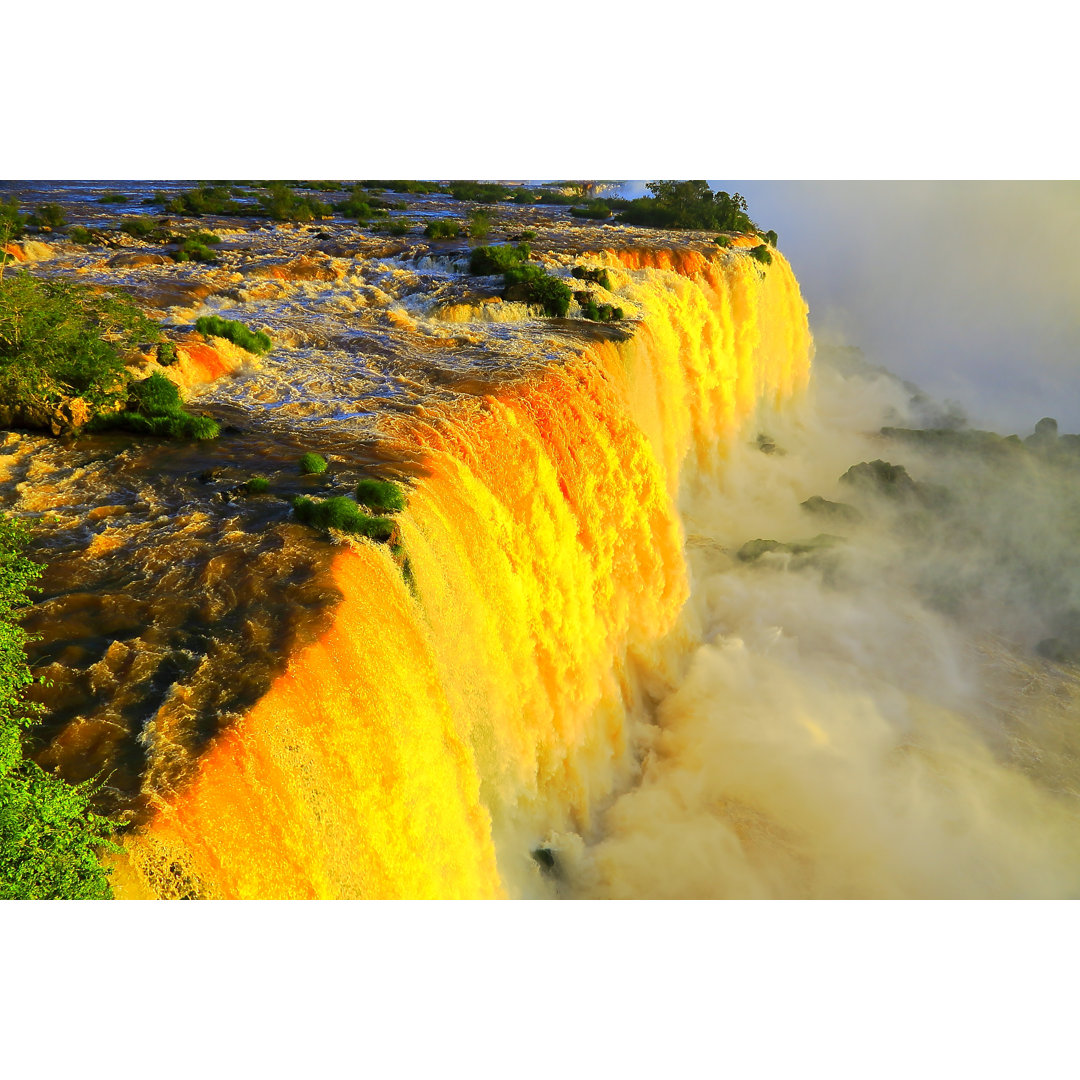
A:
(431, 738)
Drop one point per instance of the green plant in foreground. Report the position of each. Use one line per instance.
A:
(141, 228)
(762, 254)
(442, 229)
(78, 235)
(497, 259)
(538, 287)
(156, 408)
(50, 215)
(50, 838)
(342, 514)
(312, 464)
(383, 495)
(257, 485)
(254, 341)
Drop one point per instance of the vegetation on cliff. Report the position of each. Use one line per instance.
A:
(49, 836)
(689, 204)
(254, 341)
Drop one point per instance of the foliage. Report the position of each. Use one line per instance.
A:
(12, 223)
(49, 836)
(598, 275)
(60, 340)
(442, 229)
(524, 196)
(139, 227)
(113, 197)
(192, 250)
(395, 227)
(600, 312)
(771, 237)
(596, 209)
(281, 203)
(208, 199)
(471, 191)
(254, 341)
(341, 513)
(50, 215)
(762, 254)
(311, 464)
(497, 259)
(166, 353)
(382, 495)
(689, 204)
(539, 288)
(723, 241)
(323, 185)
(526, 235)
(257, 485)
(557, 198)
(413, 187)
(357, 206)
(155, 408)
(479, 225)
(78, 235)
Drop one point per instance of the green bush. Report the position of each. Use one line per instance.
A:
(723, 241)
(141, 228)
(50, 838)
(338, 512)
(526, 235)
(771, 238)
(595, 209)
(323, 185)
(479, 225)
(471, 191)
(156, 408)
(60, 340)
(193, 251)
(78, 235)
(598, 275)
(497, 259)
(540, 288)
(383, 495)
(166, 353)
(358, 205)
(203, 237)
(113, 197)
(257, 485)
(50, 215)
(312, 464)
(557, 198)
(208, 199)
(442, 229)
(413, 187)
(762, 254)
(689, 204)
(524, 196)
(12, 223)
(254, 341)
(281, 203)
(395, 227)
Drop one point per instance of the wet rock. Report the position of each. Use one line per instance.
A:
(754, 549)
(881, 477)
(131, 259)
(166, 293)
(1046, 435)
(839, 512)
(304, 268)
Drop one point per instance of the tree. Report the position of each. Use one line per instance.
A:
(49, 835)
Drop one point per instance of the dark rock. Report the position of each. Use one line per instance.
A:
(842, 513)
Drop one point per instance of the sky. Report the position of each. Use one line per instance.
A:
(971, 289)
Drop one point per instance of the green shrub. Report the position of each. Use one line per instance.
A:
(78, 235)
(254, 341)
(479, 225)
(203, 237)
(689, 204)
(338, 512)
(166, 354)
(540, 288)
(762, 254)
(383, 495)
(497, 259)
(595, 209)
(12, 223)
(208, 199)
(442, 229)
(113, 197)
(311, 464)
(524, 196)
(156, 408)
(193, 251)
(598, 275)
(257, 485)
(414, 187)
(723, 241)
(771, 237)
(141, 228)
(358, 205)
(60, 340)
(323, 185)
(525, 235)
(557, 198)
(50, 838)
(50, 215)
(471, 191)
(395, 227)
(281, 203)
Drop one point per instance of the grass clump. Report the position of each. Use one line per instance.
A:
(538, 288)
(598, 275)
(207, 199)
(601, 312)
(479, 225)
(342, 514)
(113, 197)
(280, 203)
(257, 485)
(723, 241)
(254, 341)
(526, 235)
(442, 229)
(497, 259)
(312, 464)
(78, 235)
(166, 353)
(471, 191)
(192, 250)
(594, 209)
(382, 495)
(155, 408)
(524, 196)
(405, 187)
(141, 228)
(49, 216)
(762, 254)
